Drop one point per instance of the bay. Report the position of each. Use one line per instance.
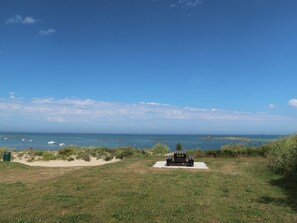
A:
(39, 141)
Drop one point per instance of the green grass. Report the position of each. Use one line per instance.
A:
(233, 190)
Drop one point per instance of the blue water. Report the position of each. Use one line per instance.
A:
(39, 141)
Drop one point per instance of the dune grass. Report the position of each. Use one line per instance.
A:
(232, 190)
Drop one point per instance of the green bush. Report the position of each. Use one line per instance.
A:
(87, 157)
(212, 153)
(241, 150)
(2, 150)
(69, 159)
(234, 150)
(49, 156)
(68, 151)
(124, 153)
(178, 147)
(108, 158)
(282, 155)
(160, 149)
(20, 154)
(197, 154)
(38, 153)
(31, 159)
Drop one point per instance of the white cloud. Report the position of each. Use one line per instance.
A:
(154, 103)
(271, 106)
(183, 3)
(293, 102)
(47, 32)
(29, 20)
(12, 95)
(17, 19)
(65, 101)
(55, 119)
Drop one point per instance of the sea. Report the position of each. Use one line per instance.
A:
(54, 141)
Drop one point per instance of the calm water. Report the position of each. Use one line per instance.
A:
(39, 141)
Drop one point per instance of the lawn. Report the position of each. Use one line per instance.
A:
(232, 190)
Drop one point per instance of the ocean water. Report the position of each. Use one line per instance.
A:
(39, 141)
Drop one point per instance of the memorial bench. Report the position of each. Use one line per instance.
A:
(179, 159)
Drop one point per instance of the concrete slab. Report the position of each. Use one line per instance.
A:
(197, 165)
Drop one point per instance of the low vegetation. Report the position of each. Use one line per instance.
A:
(71, 153)
(281, 154)
(160, 149)
(237, 150)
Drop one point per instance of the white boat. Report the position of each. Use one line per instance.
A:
(51, 142)
(23, 139)
(31, 140)
(62, 144)
(5, 138)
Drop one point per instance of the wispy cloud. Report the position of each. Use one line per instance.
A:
(186, 3)
(17, 19)
(190, 3)
(271, 106)
(293, 102)
(47, 32)
(12, 95)
(88, 110)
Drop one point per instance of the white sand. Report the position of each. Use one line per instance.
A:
(197, 165)
(62, 163)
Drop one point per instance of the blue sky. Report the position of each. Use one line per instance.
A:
(149, 66)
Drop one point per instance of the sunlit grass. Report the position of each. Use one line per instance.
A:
(232, 190)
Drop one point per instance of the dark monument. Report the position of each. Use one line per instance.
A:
(179, 159)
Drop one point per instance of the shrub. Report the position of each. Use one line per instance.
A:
(20, 155)
(240, 150)
(125, 152)
(160, 149)
(31, 159)
(87, 157)
(108, 158)
(212, 153)
(178, 147)
(70, 159)
(282, 155)
(49, 156)
(198, 154)
(2, 150)
(68, 151)
(38, 153)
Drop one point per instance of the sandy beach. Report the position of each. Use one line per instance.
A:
(64, 163)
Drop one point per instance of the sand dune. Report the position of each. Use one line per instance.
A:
(63, 163)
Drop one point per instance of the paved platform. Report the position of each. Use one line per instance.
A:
(197, 165)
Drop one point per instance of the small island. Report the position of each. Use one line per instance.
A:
(227, 138)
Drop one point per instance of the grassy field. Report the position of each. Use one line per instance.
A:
(232, 190)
